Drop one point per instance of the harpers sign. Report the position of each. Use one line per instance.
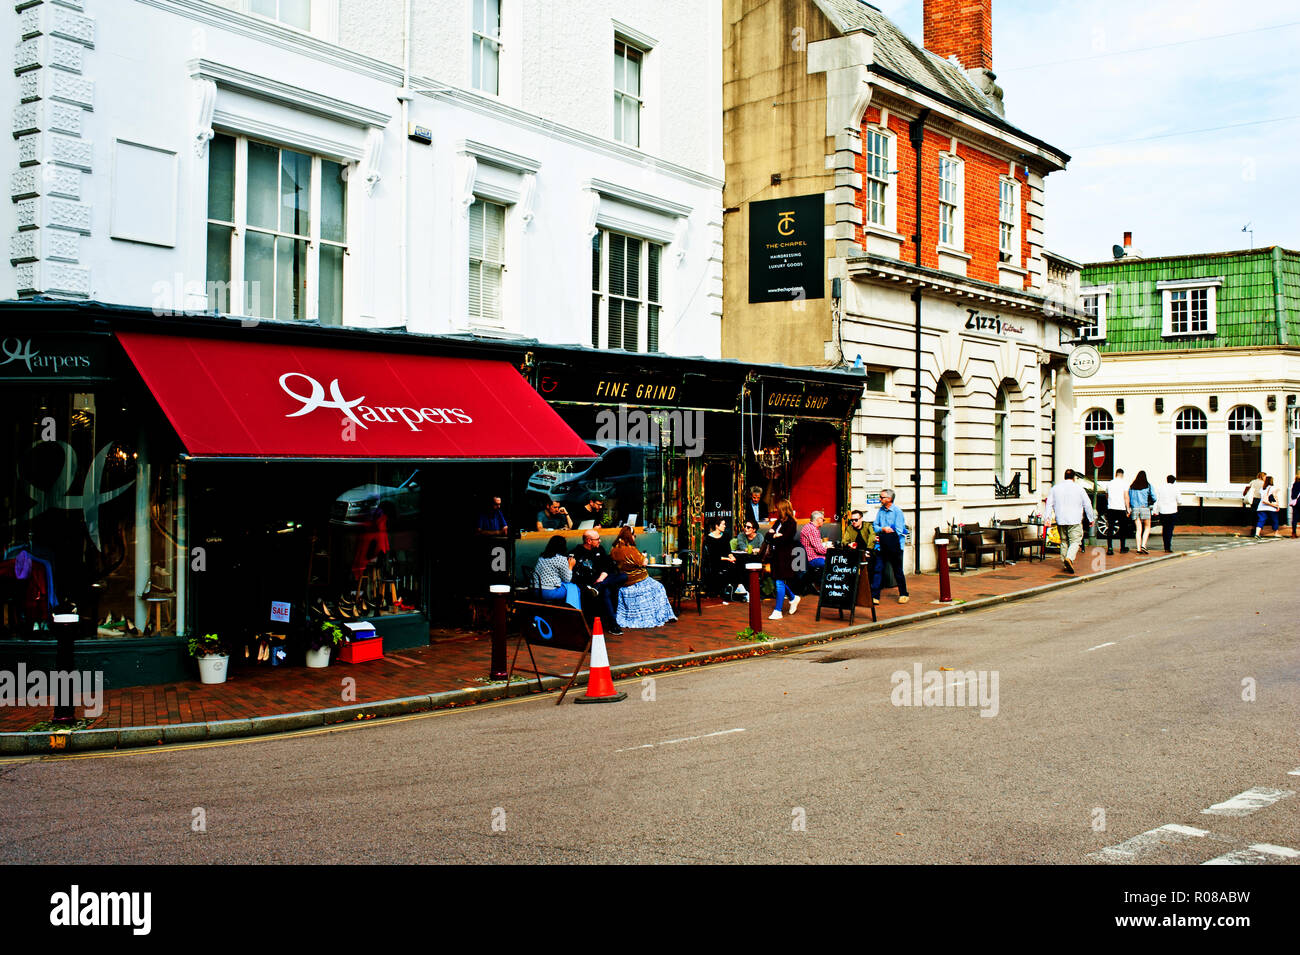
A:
(787, 240)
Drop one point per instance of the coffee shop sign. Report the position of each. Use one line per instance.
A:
(977, 321)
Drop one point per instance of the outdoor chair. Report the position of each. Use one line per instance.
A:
(956, 550)
(984, 540)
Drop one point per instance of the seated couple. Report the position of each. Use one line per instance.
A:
(722, 573)
(617, 586)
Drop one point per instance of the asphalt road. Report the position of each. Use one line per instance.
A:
(1119, 710)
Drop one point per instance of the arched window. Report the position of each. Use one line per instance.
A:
(1245, 459)
(1190, 460)
(942, 439)
(1000, 451)
(1098, 428)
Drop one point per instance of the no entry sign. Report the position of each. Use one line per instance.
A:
(1098, 454)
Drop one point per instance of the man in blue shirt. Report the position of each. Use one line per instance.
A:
(891, 534)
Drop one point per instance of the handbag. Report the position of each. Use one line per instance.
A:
(1054, 535)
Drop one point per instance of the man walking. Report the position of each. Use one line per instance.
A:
(1117, 513)
(1167, 505)
(891, 534)
(1068, 503)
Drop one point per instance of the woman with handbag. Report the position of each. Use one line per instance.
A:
(1140, 501)
(780, 544)
(1269, 505)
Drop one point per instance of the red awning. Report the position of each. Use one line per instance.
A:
(252, 400)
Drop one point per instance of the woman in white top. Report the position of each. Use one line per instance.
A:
(1250, 494)
(1269, 505)
(1167, 508)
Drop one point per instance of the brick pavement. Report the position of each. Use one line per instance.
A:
(455, 660)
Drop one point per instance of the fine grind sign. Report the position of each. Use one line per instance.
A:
(787, 239)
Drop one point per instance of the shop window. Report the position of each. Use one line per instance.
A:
(277, 232)
(942, 439)
(485, 43)
(1190, 458)
(1001, 454)
(625, 300)
(1245, 457)
(80, 533)
(1098, 428)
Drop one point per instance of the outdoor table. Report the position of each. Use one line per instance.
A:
(671, 574)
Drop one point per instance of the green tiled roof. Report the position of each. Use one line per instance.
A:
(1257, 304)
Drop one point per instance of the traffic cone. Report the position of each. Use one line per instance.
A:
(600, 684)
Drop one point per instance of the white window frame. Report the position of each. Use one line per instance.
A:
(478, 40)
(1180, 430)
(241, 228)
(1251, 432)
(889, 210)
(1100, 294)
(1186, 287)
(622, 45)
(643, 294)
(1009, 256)
(322, 17)
(956, 237)
(481, 320)
(1002, 433)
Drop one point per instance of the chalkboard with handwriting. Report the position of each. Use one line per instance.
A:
(840, 584)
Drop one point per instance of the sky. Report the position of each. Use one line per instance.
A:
(1181, 118)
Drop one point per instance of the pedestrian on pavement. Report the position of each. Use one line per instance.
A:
(1140, 501)
(782, 537)
(1117, 511)
(890, 526)
(1269, 505)
(1295, 503)
(1250, 495)
(1167, 507)
(1067, 503)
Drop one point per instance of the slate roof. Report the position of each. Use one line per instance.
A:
(898, 54)
(1246, 305)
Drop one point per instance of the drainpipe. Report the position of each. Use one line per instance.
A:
(916, 133)
(405, 96)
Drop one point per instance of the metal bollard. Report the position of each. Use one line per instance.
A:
(945, 582)
(65, 628)
(499, 592)
(755, 597)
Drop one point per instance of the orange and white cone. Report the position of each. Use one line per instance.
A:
(600, 684)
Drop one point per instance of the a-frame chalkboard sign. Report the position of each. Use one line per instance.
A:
(840, 584)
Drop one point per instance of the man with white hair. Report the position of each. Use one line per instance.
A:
(891, 534)
(814, 548)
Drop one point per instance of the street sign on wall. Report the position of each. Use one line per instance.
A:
(1084, 361)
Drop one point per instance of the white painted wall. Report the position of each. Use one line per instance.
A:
(139, 58)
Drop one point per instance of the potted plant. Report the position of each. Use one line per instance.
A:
(212, 656)
(324, 638)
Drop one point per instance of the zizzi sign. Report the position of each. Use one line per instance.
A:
(34, 358)
(977, 321)
(362, 413)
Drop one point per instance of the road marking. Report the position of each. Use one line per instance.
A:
(1130, 849)
(1261, 853)
(684, 739)
(1294, 772)
(1099, 646)
(1243, 804)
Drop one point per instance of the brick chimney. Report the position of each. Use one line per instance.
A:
(961, 28)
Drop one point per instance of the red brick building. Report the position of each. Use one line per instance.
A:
(830, 97)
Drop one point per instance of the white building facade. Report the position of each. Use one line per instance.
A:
(488, 166)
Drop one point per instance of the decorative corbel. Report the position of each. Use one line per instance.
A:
(370, 162)
(593, 210)
(205, 105)
(467, 172)
(526, 197)
(680, 234)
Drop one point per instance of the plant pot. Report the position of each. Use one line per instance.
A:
(318, 659)
(213, 668)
